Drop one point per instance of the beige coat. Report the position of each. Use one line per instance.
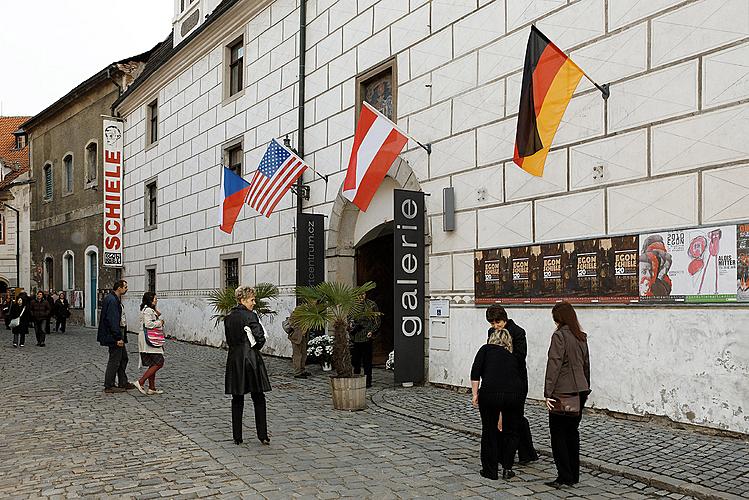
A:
(149, 319)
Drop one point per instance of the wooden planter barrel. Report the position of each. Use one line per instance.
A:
(349, 393)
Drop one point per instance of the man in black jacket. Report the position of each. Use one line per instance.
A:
(113, 334)
(497, 316)
(40, 311)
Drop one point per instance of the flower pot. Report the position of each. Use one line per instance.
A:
(326, 366)
(349, 393)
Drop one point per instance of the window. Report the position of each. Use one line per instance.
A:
(152, 125)
(2, 229)
(151, 208)
(49, 267)
(231, 272)
(234, 159)
(68, 267)
(67, 167)
(20, 141)
(236, 66)
(47, 182)
(92, 159)
(151, 279)
(378, 88)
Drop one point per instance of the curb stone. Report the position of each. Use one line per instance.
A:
(655, 480)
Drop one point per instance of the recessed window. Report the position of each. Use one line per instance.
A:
(47, 182)
(20, 141)
(92, 159)
(150, 205)
(68, 268)
(230, 272)
(236, 66)
(378, 88)
(67, 167)
(2, 229)
(234, 159)
(151, 279)
(152, 128)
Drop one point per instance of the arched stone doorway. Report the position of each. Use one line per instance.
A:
(360, 247)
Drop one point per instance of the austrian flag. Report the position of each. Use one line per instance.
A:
(377, 143)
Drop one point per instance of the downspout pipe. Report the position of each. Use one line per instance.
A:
(300, 107)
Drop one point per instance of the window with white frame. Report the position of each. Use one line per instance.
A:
(68, 271)
(233, 158)
(67, 168)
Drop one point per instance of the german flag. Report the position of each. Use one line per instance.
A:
(549, 80)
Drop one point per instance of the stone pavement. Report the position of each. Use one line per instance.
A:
(62, 437)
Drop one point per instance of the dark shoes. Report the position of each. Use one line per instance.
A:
(557, 484)
(526, 462)
(301, 375)
(489, 475)
(507, 474)
(128, 386)
(238, 441)
(265, 441)
(114, 390)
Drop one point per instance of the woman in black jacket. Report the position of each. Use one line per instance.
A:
(19, 308)
(62, 312)
(245, 369)
(502, 391)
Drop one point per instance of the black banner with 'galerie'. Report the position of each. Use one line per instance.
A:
(310, 249)
(409, 307)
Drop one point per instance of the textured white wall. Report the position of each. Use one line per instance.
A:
(690, 365)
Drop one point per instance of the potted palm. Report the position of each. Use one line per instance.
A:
(223, 300)
(334, 305)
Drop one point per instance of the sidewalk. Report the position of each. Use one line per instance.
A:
(680, 461)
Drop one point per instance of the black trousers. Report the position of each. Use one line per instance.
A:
(46, 325)
(116, 367)
(565, 444)
(499, 447)
(39, 329)
(19, 335)
(526, 451)
(237, 410)
(60, 323)
(361, 353)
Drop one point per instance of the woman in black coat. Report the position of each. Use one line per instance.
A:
(502, 391)
(19, 308)
(245, 369)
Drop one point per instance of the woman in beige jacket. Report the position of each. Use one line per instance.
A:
(152, 357)
(567, 374)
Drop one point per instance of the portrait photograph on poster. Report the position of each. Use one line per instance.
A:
(689, 265)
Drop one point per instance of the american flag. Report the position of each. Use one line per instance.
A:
(277, 171)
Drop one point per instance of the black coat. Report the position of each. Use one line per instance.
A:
(110, 330)
(15, 311)
(245, 368)
(519, 347)
(62, 308)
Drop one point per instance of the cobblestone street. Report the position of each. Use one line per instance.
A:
(61, 436)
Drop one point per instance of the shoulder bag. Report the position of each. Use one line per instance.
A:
(16, 322)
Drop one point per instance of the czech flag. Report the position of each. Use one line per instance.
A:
(377, 143)
(234, 191)
(549, 80)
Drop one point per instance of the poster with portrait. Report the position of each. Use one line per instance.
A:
(618, 269)
(688, 265)
(76, 299)
(580, 270)
(487, 275)
(742, 262)
(546, 273)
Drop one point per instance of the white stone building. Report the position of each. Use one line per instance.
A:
(670, 142)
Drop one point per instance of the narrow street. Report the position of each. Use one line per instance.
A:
(61, 436)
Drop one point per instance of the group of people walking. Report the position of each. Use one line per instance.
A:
(23, 312)
(499, 385)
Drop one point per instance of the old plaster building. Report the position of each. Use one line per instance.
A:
(666, 151)
(66, 166)
(14, 211)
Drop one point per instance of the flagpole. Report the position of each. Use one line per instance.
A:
(427, 147)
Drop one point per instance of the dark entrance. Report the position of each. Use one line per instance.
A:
(374, 262)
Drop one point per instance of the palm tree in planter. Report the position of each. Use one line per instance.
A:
(223, 300)
(334, 305)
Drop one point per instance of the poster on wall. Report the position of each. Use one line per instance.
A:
(742, 262)
(545, 278)
(76, 299)
(112, 192)
(580, 275)
(618, 269)
(689, 265)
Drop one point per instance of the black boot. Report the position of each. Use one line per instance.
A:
(237, 408)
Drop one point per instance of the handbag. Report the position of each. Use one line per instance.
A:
(154, 337)
(16, 322)
(566, 404)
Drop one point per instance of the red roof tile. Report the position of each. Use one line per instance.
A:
(8, 152)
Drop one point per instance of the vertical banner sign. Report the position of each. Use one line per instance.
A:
(310, 249)
(408, 289)
(112, 192)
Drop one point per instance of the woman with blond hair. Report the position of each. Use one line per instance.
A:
(245, 368)
(566, 389)
(497, 386)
